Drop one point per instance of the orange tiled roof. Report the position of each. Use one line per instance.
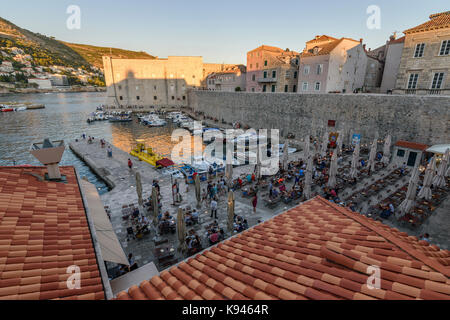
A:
(321, 38)
(412, 145)
(44, 230)
(399, 40)
(437, 21)
(317, 250)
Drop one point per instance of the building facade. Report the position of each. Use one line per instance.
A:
(425, 61)
(232, 79)
(394, 49)
(328, 64)
(271, 69)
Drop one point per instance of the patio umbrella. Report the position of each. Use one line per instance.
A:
(447, 156)
(354, 169)
(229, 173)
(439, 178)
(373, 154)
(387, 150)
(425, 192)
(308, 179)
(230, 209)
(408, 203)
(139, 188)
(285, 155)
(181, 230)
(333, 171)
(339, 142)
(197, 190)
(306, 148)
(155, 205)
(258, 165)
(323, 152)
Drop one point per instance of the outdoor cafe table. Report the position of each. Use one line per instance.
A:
(164, 251)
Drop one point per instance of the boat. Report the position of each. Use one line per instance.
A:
(120, 119)
(147, 155)
(20, 109)
(6, 109)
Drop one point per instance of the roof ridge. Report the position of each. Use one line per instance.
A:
(390, 238)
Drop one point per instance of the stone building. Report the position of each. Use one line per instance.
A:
(271, 69)
(393, 56)
(231, 79)
(155, 82)
(425, 59)
(328, 64)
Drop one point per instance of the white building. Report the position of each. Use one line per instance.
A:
(42, 83)
(392, 63)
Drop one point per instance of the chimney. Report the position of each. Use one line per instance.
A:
(360, 40)
(364, 47)
(49, 154)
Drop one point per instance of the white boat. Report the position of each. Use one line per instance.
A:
(20, 109)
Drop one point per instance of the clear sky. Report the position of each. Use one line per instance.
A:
(220, 31)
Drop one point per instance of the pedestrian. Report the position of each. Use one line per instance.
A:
(214, 208)
(109, 151)
(130, 164)
(255, 202)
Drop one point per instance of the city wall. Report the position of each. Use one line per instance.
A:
(423, 119)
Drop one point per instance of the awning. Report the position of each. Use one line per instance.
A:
(110, 247)
(133, 278)
(439, 148)
(165, 162)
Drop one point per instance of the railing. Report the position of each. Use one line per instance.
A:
(410, 91)
(434, 91)
(267, 79)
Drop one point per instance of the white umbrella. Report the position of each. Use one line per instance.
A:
(323, 152)
(439, 178)
(306, 148)
(354, 168)
(181, 230)
(373, 153)
(408, 203)
(387, 150)
(155, 205)
(340, 140)
(139, 188)
(258, 165)
(425, 192)
(285, 155)
(308, 178)
(230, 211)
(333, 171)
(197, 190)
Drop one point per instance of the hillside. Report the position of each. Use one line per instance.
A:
(47, 51)
(93, 54)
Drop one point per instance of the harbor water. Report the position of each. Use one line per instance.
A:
(64, 118)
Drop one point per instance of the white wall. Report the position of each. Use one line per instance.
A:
(391, 65)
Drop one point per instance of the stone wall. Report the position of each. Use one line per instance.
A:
(423, 119)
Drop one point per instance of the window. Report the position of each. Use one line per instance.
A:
(137, 97)
(295, 74)
(154, 87)
(437, 80)
(173, 98)
(305, 86)
(418, 52)
(251, 65)
(296, 61)
(155, 98)
(265, 63)
(294, 88)
(264, 88)
(288, 75)
(306, 70)
(253, 77)
(257, 65)
(274, 74)
(184, 97)
(412, 82)
(286, 88)
(120, 87)
(317, 86)
(137, 88)
(253, 89)
(445, 48)
(319, 68)
(274, 87)
(400, 153)
(265, 74)
(120, 98)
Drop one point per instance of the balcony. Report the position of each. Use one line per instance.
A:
(434, 91)
(267, 80)
(410, 91)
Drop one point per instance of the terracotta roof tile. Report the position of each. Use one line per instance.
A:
(437, 21)
(411, 145)
(317, 250)
(44, 230)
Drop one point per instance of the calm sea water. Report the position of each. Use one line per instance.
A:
(64, 118)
